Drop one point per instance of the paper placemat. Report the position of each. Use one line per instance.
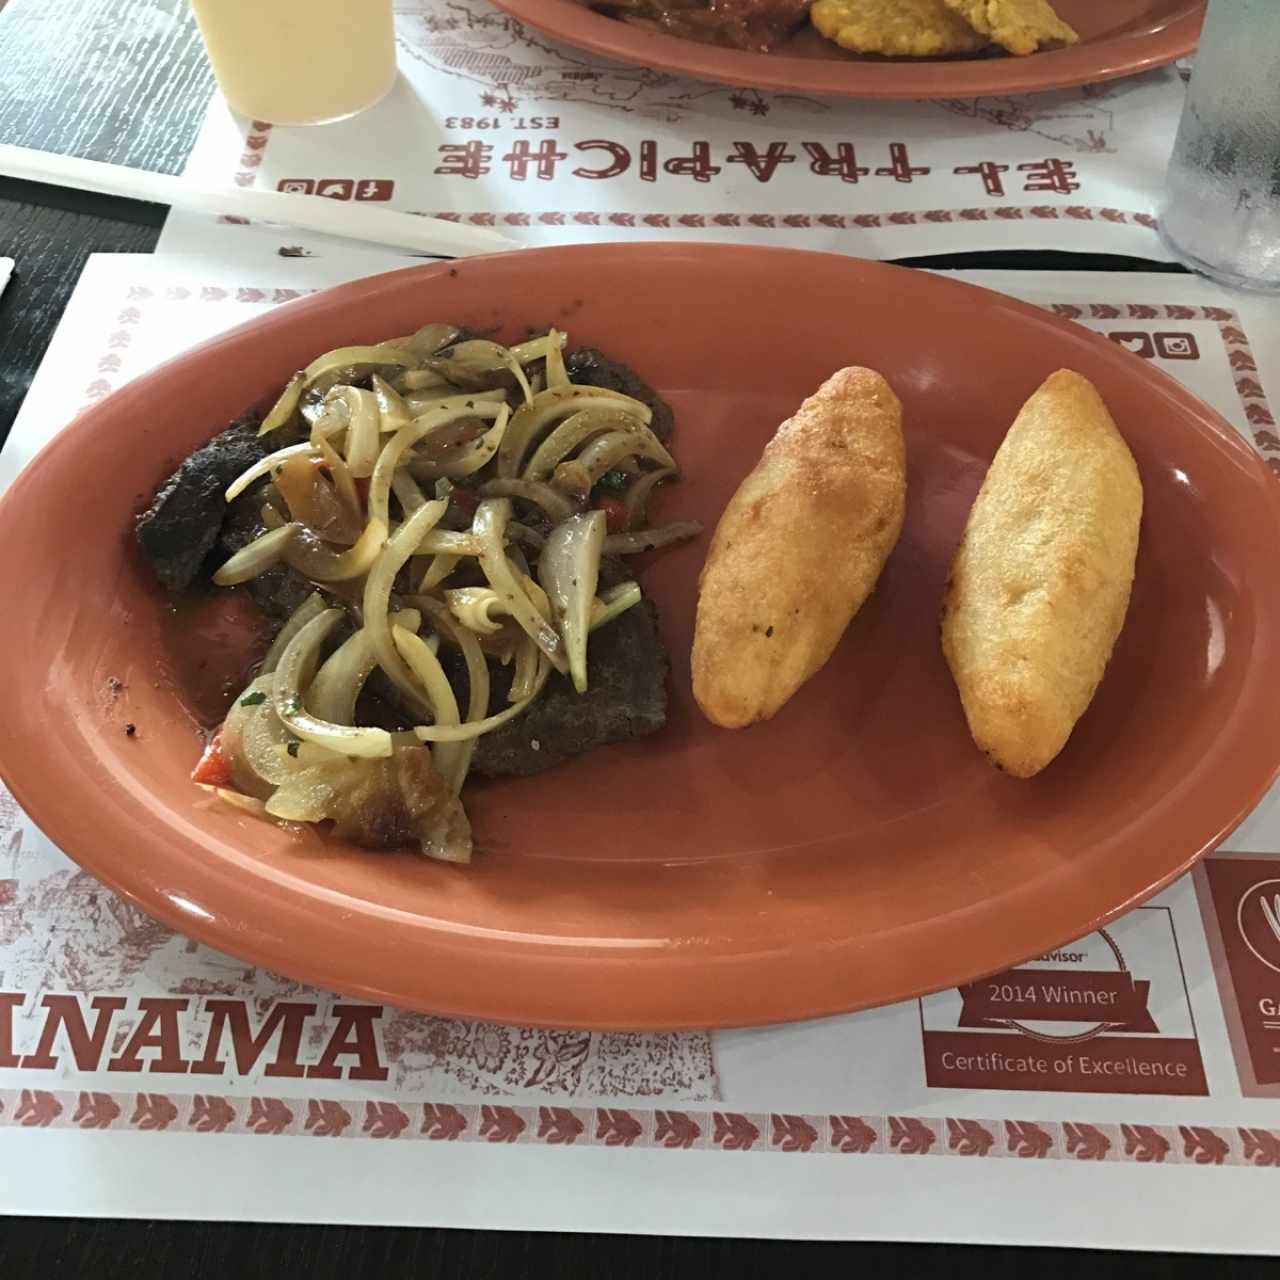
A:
(494, 124)
(1123, 1090)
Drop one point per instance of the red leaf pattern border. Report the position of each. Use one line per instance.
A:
(853, 1135)
(1145, 1143)
(255, 145)
(560, 1126)
(637, 1128)
(96, 1111)
(1028, 1140)
(794, 1133)
(618, 1128)
(211, 1114)
(1086, 1141)
(969, 1137)
(269, 1116)
(153, 1111)
(1261, 1147)
(676, 1130)
(1203, 1145)
(327, 1119)
(110, 363)
(384, 1120)
(442, 1123)
(790, 221)
(1257, 411)
(732, 1131)
(911, 1136)
(37, 1109)
(501, 1124)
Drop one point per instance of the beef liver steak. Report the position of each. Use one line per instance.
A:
(182, 525)
(593, 368)
(626, 698)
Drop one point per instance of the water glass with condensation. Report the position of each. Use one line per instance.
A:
(292, 62)
(1221, 214)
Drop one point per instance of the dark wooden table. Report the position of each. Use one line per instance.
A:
(125, 81)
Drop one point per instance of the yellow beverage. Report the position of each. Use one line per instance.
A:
(299, 61)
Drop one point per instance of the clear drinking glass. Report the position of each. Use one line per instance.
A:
(1221, 213)
(299, 61)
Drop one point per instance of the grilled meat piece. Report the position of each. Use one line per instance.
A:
(189, 529)
(626, 698)
(180, 528)
(593, 368)
(278, 591)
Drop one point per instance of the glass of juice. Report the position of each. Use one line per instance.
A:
(1221, 212)
(294, 62)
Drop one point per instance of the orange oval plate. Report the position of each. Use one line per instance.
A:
(1117, 38)
(855, 850)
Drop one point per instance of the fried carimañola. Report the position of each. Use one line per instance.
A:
(1040, 584)
(799, 548)
(896, 28)
(1021, 26)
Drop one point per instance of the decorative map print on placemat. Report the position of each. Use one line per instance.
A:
(649, 1128)
(1079, 121)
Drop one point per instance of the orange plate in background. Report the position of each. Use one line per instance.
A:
(855, 850)
(1117, 38)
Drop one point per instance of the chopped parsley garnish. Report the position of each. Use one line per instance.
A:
(612, 482)
(292, 746)
(254, 699)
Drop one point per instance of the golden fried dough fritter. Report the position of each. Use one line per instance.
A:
(799, 548)
(896, 28)
(1040, 584)
(1021, 26)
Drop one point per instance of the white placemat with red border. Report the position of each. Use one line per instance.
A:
(144, 1075)
(496, 125)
